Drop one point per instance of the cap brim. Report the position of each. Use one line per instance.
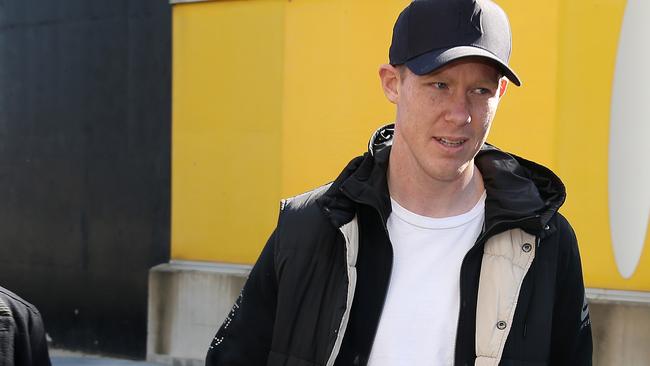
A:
(430, 61)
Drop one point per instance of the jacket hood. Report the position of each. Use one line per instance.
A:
(520, 193)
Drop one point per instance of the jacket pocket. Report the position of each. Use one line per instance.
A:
(280, 359)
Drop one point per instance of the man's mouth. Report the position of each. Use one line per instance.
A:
(451, 142)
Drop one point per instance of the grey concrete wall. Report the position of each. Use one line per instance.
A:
(188, 301)
(621, 334)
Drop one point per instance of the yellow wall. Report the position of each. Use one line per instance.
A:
(272, 98)
(226, 138)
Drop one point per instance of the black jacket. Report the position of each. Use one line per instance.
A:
(22, 336)
(292, 306)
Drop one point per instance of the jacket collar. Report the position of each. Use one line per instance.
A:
(363, 181)
(520, 193)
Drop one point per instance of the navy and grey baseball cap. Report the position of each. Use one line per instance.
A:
(431, 33)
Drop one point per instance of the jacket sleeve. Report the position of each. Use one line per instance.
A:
(37, 340)
(22, 333)
(244, 339)
(571, 342)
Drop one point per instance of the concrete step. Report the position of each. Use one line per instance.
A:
(97, 361)
(67, 358)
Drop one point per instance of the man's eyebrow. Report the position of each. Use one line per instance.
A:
(434, 75)
(442, 77)
(489, 81)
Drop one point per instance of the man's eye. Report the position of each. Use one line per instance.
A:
(439, 85)
(482, 91)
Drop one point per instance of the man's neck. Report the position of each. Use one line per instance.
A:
(426, 196)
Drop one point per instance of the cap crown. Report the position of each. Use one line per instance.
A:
(428, 25)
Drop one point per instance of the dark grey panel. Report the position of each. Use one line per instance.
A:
(85, 131)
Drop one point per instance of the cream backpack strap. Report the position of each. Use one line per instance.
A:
(506, 260)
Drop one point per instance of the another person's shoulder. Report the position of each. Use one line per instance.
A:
(16, 306)
(22, 327)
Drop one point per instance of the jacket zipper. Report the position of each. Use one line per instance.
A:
(339, 335)
(383, 225)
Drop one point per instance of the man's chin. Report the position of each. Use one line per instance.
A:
(450, 174)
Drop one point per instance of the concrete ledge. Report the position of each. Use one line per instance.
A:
(241, 270)
(606, 296)
(188, 301)
(187, 1)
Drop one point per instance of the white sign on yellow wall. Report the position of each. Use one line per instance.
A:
(602, 153)
(629, 141)
(271, 98)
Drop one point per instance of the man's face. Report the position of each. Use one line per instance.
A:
(444, 117)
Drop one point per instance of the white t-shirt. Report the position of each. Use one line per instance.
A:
(420, 316)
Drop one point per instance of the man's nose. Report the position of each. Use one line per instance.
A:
(458, 110)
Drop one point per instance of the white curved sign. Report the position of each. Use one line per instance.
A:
(629, 139)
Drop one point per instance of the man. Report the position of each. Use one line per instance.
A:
(434, 248)
(22, 336)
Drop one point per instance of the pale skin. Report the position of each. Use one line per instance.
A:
(443, 118)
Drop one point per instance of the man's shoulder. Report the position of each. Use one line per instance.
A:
(561, 231)
(561, 225)
(304, 201)
(304, 223)
(304, 213)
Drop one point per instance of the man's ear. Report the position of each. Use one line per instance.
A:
(503, 85)
(390, 81)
